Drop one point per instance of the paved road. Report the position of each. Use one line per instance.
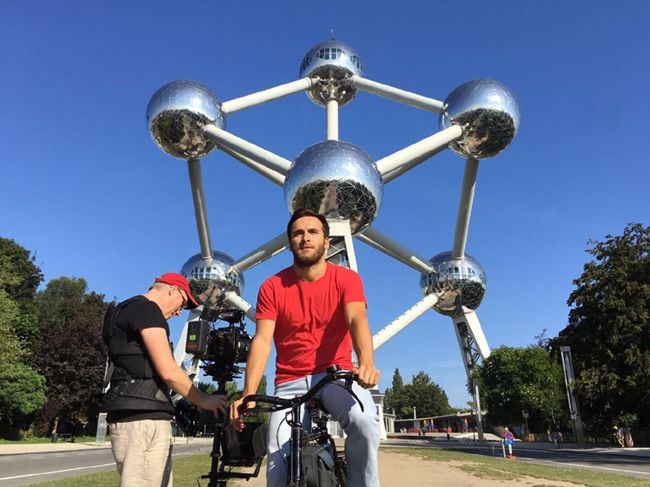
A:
(32, 468)
(631, 462)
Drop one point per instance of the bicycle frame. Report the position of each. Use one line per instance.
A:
(299, 437)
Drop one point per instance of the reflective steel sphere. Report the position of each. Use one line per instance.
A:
(456, 282)
(333, 62)
(176, 115)
(488, 113)
(338, 180)
(209, 281)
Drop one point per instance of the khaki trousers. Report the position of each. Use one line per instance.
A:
(143, 452)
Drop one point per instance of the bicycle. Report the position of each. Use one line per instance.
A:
(313, 459)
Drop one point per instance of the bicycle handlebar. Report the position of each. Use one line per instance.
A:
(283, 403)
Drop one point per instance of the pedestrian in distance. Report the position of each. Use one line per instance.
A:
(509, 441)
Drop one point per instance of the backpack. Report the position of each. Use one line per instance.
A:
(318, 467)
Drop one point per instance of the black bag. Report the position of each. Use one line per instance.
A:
(318, 466)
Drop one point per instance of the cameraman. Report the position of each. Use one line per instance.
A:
(138, 402)
(315, 312)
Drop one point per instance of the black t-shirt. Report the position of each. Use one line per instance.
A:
(133, 318)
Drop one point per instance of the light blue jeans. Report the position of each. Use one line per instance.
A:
(361, 428)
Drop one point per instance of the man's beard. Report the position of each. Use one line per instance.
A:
(305, 261)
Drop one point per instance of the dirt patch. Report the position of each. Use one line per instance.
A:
(402, 470)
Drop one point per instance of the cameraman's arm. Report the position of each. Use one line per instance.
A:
(256, 363)
(155, 341)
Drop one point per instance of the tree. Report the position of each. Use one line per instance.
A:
(609, 330)
(27, 276)
(22, 390)
(19, 279)
(426, 396)
(516, 379)
(71, 354)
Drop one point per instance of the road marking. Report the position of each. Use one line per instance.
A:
(112, 464)
(56, 471)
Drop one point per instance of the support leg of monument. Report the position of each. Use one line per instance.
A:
(473, 348)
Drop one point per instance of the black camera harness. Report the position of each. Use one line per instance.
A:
(134, 383)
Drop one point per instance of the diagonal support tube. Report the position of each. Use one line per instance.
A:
(259, 255)
(264, 96)
(270, 174)
(465, 208)
(405, 159)
(403, 320)
(398, 95)
(247, 149)
(200, 207)
(394, 249)
(233, 299)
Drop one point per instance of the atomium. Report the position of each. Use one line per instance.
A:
(333, 63)
(176, 115)
(336, 179)
(488, 113)
(342, 182)
(457, 282)
(209, 280)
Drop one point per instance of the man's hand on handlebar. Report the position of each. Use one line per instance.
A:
(235, 414)
(367, 376)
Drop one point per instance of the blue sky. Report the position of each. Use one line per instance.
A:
(84, 187)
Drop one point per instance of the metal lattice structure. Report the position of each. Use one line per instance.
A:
(479, 119)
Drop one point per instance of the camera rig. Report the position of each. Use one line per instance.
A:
(221, 349)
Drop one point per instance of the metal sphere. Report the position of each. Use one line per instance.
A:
(456, 282)
(209, 280)
(333, 63)
(488, 113)
(176, 115)
(338, 180)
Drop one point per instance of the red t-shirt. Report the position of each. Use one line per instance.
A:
(311, 332)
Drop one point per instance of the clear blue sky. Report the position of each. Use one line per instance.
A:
(85, 188)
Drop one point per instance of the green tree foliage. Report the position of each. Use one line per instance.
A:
(19, 279)
(22, 390)
(514, 379)
(17, 261)
(422, 393)
(609, 330)
(71, 354)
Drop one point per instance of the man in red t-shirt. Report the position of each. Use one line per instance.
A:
(315, 312)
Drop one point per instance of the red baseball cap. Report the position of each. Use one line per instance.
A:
(175, 279)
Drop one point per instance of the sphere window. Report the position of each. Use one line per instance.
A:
(329, 53)
(305, 62)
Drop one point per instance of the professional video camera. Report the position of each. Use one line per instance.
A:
(221, 349)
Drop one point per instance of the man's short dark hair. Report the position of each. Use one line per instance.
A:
(302, 212)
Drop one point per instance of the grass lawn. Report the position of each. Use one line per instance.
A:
(499, 469)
